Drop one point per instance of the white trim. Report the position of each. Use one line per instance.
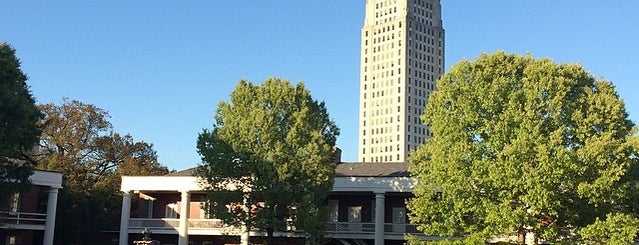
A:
(160, 183)
(374, 184)
(45, 178)
(190, 183)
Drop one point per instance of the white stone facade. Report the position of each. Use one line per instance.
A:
(402, 55)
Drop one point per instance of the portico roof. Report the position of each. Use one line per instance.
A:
(355, 176)
(348, 169)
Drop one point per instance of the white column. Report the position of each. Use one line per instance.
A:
(245, 233)
(149, 211)
(124, 218)
(49, 225)
(184, 218)
(244, 236)
(379, 218)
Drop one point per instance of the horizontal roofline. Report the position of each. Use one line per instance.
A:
(348, 169)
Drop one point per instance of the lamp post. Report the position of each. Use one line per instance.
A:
(147, 240)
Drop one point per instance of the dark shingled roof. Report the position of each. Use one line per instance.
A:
(186, 172)
(370, 169)
(353, 169)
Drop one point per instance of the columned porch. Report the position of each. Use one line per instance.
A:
(369, 208)
(27, 216)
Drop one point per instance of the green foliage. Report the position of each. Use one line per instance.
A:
(269, 157)
(70, 143)
(523, 145)
(616, 229)
(78, 141)
(18, 130)
(412, 239)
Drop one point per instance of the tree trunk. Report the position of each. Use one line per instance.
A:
(521, 236)
(269, 236)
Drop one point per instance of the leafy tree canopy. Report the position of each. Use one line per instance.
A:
(530, 146)
(79, 142)
(269, 157)
(18, 130)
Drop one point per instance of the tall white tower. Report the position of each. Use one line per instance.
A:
(401, 58)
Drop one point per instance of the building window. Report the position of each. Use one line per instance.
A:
(203, 213)
(171, 210)
(399, 216)
(333, 213)
(14, 240)
(15, 203)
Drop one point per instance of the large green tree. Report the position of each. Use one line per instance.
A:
(18, 129)
(529, 146)
(78, 141)
(267, 162)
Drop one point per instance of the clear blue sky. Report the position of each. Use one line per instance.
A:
(160, 67)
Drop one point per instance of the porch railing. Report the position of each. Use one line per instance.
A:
(173, 224)
(331, 227)
(21, 218)
(367, 227)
